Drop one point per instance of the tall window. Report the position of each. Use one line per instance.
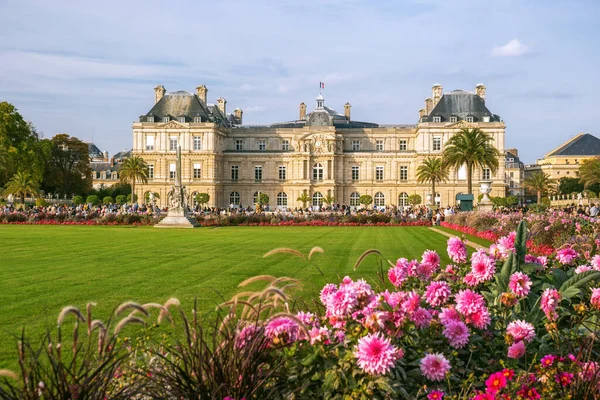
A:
(354, 199)
(234, 198)
(282, 173)
(317, 199)
(437, 143)
(379, 145)
(453, 119)
(172, 171)
(403, 199)
(258, 173)
(355, 145)
(379, 199)
(262, 145)
(282, 199)
(470, 119)
(317, 172)
(235, 172)
(486, 174)
(197, 143)
(197, 171)
(285, 145)
(403, 173)
(150, 171)
(165, 119)
(239, 145)
(379, 173)
(462, 172)
(403, 145)
(173, 144)
(437, 119)
(149, 142)
(355, 172)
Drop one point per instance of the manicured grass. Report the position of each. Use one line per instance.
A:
(472, 238)
(44, 268)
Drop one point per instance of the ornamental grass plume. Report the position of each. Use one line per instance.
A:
(520, 284)
(434, 366)
(375, 354)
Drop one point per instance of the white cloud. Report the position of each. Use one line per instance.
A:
(514, 48)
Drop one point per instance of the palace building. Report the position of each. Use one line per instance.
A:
(321, 153)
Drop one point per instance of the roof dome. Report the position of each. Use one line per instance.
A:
(319, 97)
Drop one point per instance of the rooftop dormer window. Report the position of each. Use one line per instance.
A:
(453, 119)
(166, 119)
(182, 120)
(470, 119)
(150, 119)
(437, 119)
(197, 119)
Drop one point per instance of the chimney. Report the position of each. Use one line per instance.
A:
(105, 153)
(201, 92)
(222, 104)
(302, 111)
(428, 106)
(422, 113)
(436, 93)
(514, 152)
(159, 92)
(347, 110)
(238, 115)
(480, 90)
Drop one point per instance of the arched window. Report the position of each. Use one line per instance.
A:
(354, 199)
(317, 172)
(403, 200)
(282, 199)
(234, 198)
(317, 199)
(379, 199)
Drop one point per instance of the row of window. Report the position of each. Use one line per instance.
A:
(181, 119)
(317, 199)
(285, 145)
(453, 119)
(173, 142)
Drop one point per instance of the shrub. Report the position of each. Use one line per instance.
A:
(40, 202)
(108, 200)
(78, 200)
(121, 199)
(93, 200)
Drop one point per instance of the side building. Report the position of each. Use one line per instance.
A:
(321, 153)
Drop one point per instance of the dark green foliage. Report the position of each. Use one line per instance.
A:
(93, 200)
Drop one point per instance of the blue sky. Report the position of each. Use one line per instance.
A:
(89, 68)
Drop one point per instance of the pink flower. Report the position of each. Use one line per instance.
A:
(543, 261)
(548, 360)
(447, 315)
(397, 275)
(471, 280)
(342, 302)
(516, 350)
(421, 317)
(520, 284)
(375, 354)
(479, 319)
(566, 256)
(520, 331)
(484, 396)
(318, 335)
(457, 334)
(457, 250)
(246, 335)
(596, 262)
(549, 303)
(326, 291)
(432, 258)
(495, 383)
(435, 366)
(435, 395)
(564, 378)
(437, 293)
(590, 371)
(595, 299)
(483, 267)
(412, 302)
(469, 302)
(308, 318)
(506, 244)
(583, 268)
(282, 328)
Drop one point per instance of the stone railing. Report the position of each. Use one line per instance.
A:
(574, 198)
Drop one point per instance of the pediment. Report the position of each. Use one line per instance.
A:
(172, 125)
(320, 134)
(462, 125)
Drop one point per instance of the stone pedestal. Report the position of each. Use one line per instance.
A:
(485, 187)
(177, 218)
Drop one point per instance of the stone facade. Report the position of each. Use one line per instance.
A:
(515, 175)
(321, 153)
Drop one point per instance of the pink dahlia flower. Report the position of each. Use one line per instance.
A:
(483, 267)
(437, 293)
(342, 302)
(282, 328)
(432, 258)
(412, 302)
(246, 335)
(457, 334)
(308, 318)
(435, 395)
(435, 366)
(447, 315)
(479, 319)
(583, 268)
(516, 350)
(326, 291)
(375, 354)
(595, 299)
(469, 302)
(421, 317)
(566, 256)
(319, 335)
(457, 250)
(397, 275)
(471, 279)
(549, 303)
(596, 262)
(495, 383)
(520, 284)
(520, 331)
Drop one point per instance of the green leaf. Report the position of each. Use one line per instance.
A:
(521, 243)
(309, 359)
(560, 277)
(573, 286)
(507, 270)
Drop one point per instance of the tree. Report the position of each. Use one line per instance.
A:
(539, 182)
(589, 172)
(108, 200)
(414, 199)
(68, 170)
(303, 198)
(134, 169)
(93, 200)
(3, 158)
(328, 200)
(365, 200)
(471, 147)
(202, 198)
(21, 184)
(432, 170)
(568, 185)
(120, 199)
(78, 200)
(263, 199)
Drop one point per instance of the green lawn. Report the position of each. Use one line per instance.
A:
(43, 268)
(472, 238)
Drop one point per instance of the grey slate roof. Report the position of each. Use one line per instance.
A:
(122, 154)
(461, 104)
(582, 145)
(94, 151)
(182, 103)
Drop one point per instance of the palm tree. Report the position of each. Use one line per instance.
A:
(471, 147)
(303, 198)
(589, 172)
(432, 170)
(539, 182)
(21, 184)
(328, 199)
(133, 169)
